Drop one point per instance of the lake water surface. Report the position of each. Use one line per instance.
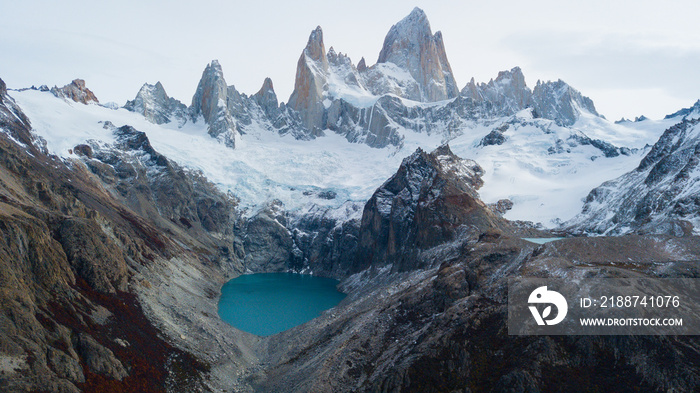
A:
(268, 303)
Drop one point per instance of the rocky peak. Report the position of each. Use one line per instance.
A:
(361, 66)
(311, 77)
(508, 93)
(210, 101)
(315, 49)
(560, 102)
(431, 197)
(3, 88)
(266, 98)
(154, 104)
(76, 91)
(411, 46)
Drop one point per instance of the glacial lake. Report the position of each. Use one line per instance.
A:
(268, 303)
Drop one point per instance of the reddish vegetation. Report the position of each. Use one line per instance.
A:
(148, 358)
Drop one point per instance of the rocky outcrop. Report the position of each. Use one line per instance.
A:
(508, 93)
(495, 137)
(210, 101)
(99, 359)
(429, 201)
(154, 104)
(311, 77)
(411, 46)
(267, 99)
(659, 196)
(445, 329)
(92, 255)
(268, 243)
(560, 102)
(159, 189)
(76, 91)
(327, 239)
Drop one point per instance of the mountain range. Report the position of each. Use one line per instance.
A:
(121, 223)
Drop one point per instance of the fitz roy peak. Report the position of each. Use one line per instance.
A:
(411, 46)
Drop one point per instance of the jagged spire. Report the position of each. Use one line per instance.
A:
(411, 46)
(311, 76)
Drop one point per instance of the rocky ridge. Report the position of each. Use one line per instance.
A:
(410, 88)
(659, 196)
(76, 91)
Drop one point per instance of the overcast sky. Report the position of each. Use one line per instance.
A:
(631, 57)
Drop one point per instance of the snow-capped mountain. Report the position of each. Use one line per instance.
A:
(530, 142)
(661, 195)
(120, 224)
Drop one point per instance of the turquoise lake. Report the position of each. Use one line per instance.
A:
(268, 303)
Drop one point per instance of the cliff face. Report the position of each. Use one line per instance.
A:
(429, 201)
(211, 102)
(411, 46)
(311, 77)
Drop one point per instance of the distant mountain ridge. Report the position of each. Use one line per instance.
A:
(661, 195)
(411, 86)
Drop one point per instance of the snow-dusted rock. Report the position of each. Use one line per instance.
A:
(412, 47)
(662, 195)
(431, 198)
(508, 93)
(210, 102)
(687, 113)
(560, 102)
(267, 99)
(76, 91)
(154, 104)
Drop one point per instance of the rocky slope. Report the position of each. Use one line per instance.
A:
(73, 256)
(659, 196)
